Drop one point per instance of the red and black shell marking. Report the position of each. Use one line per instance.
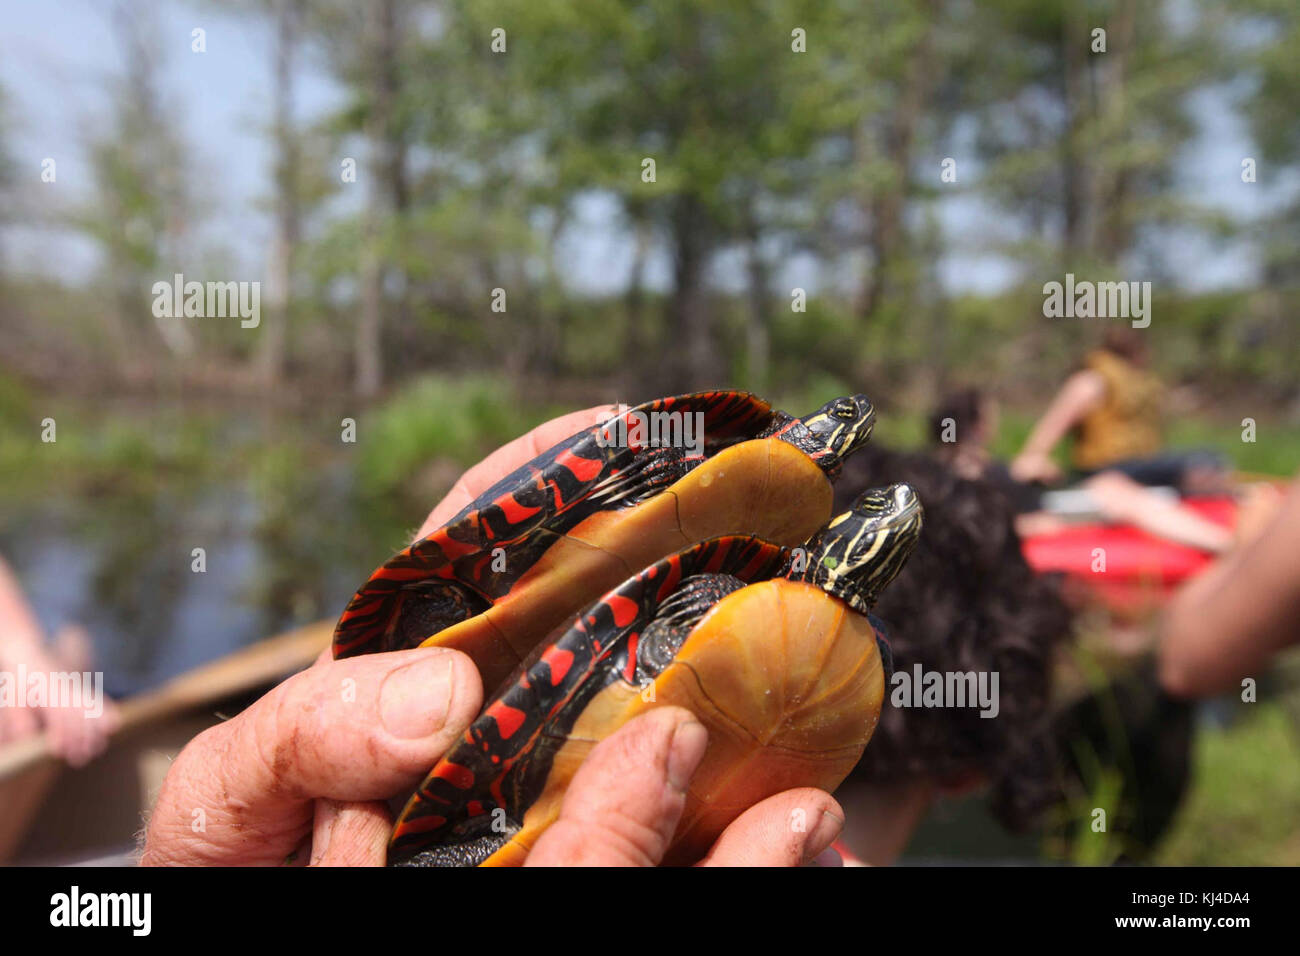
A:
(504, 758)
(453, 573)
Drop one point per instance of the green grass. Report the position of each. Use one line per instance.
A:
(1244, 801)
(1275, 450)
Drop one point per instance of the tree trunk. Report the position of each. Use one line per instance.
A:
(759, 314)
(1114, 234)
(549, 306)
(697, 363)
(1077, 176)
(395, 171)
(274, 344)
(382, 188)
(888, 236)
(638, 339)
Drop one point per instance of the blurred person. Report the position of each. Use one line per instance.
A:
(965, 421)
(74, 734)
(962, 426)
(966, 601)
(301, 776)
(1112, 408)
(1229, 622)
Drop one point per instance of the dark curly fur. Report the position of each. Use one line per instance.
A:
(966, 601)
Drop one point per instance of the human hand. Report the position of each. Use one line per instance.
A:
(302, 775)
(357, 731)
(76, 733)
(1032, 466)
(17, 723)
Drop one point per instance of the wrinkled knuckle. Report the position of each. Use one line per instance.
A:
(259, 746)
(163, 845)
(633, 840)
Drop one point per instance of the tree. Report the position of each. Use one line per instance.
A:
(1082, 122)
(142, 206)
(1270, 59)
(7, 178)
(368, 48)
(680, 113)
(288, 214)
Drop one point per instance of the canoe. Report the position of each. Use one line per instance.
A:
(154, 726)
(1122, 567)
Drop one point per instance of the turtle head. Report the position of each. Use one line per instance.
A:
(839, 428)
(861, 550)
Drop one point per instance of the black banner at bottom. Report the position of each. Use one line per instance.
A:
(486, 909)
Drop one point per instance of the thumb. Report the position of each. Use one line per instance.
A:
(360, 729)
(624, 802)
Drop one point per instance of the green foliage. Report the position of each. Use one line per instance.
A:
(1245, 795)
(97, 453)
(823, 341)
(435, 418)
(16, 404)
(1275, 451)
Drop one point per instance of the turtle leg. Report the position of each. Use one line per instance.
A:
(644, 478)
(473, 842)
(672, 624)
(470, 853)
(427, 612)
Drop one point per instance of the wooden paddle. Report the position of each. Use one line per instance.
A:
(244, 670)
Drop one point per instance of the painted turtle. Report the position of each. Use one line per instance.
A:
(772, 649)
(555, 534)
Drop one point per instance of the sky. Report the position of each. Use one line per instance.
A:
(58, 56)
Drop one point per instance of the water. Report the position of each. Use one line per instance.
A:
(283, 546)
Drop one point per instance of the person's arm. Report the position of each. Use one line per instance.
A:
(1121, 499)
(1228, 622)
(1081, 393)
(73, 732)
(21, 638)
(20, 642)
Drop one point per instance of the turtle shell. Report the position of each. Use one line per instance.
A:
(549, 538)
(506, 754)
(822, 682)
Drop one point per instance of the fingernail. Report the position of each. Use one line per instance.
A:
(685, 752)
(822, 836)
(416, 699)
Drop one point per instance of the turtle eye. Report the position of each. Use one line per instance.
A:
(845, 409)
